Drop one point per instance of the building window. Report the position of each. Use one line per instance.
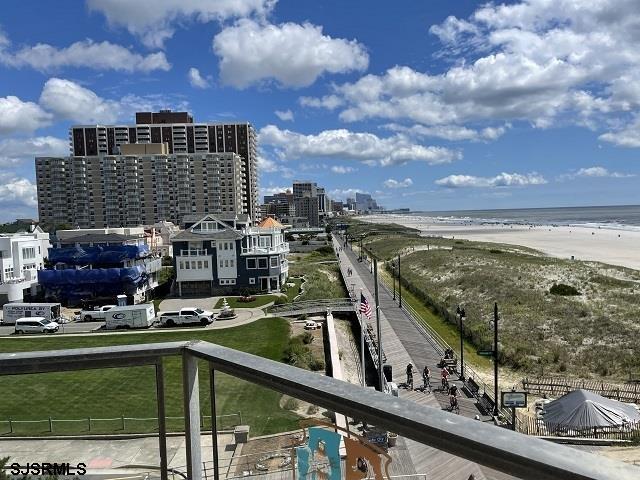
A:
(199, 264)
(181, 265)
(251, 263)
(232, 263)
(186, 265)
(226, 246)
(221, 264)
(213, 244)
(193, 264)
(274, 261)
(28, 253)
(252, 281)
(206, 263)
(262, 263)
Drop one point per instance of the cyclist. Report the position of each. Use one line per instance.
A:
(426, 379)
(410, 377)
(453, 398)
(445, 378)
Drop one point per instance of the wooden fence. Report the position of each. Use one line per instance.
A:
(557, 386)
(536, 426)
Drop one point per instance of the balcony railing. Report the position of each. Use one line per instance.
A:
(193, 253)
(494, 447)
(282, 248)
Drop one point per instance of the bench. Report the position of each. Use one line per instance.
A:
(486, 404)
(471, 387)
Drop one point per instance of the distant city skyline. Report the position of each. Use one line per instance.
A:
(427, 105)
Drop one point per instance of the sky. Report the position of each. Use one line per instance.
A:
(431, 104)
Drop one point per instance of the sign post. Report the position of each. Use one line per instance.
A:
(514, 400)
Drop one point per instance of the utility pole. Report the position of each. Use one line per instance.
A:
(399, 282)
(495, 358)
(375, 280)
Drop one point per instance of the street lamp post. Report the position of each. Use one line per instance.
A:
(495, 358)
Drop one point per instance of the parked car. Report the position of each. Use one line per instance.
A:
(185, 316)
(35, 325)
(311, 325)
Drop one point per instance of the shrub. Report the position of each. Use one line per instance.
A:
(305, 242)
(312, 410)
(325, 250)
(280, 301)
(307, 338)
(291, 404)
(563, 290)
(317, 364)
(167, 261)
(495, 250)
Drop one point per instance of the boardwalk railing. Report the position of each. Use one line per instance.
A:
(509, 452)
(313, 306)
(537, 426)
(557, 386)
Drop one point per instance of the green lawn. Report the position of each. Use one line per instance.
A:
(292, 292)
(110, 393)
(260, 301)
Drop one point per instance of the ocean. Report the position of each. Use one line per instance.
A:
(621, 217)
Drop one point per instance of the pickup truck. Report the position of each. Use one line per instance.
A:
(185, 316)
(95, 315)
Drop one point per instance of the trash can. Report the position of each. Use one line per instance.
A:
(241, 434)
(388, 372)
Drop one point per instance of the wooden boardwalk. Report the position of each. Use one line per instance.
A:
(403, 343)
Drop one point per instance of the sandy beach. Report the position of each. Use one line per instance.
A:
(612, 246)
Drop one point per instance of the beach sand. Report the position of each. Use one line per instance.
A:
(612, 246)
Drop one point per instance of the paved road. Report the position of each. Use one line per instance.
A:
(74, 327)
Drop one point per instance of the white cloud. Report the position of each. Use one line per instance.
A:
(594, 172)
(196, 79)
(290, 54)
(18, 197)
(502, 180)
(153, 20)
(539, 61)
(330, 102)
(341, 170)
(17, 150)
(285, 116)
(451, 132)
(344, 193)
(68, 100)
(628, 136)
(344, 144)
(19, 116)
(391, 183)
(271, 166)
(85, 53)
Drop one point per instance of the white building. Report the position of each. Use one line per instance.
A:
(22, 254)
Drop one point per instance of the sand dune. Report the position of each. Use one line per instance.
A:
(616, 247)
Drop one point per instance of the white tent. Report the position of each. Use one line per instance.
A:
(583, 409)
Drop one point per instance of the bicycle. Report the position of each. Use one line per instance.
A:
(453, 404)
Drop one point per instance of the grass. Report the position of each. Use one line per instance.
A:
(260, 301)
(321, 273)
(110, 393)
(292, 292)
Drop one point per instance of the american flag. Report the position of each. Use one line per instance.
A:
(365, 307)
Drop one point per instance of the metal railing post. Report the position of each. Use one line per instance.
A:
(214, 422)
(192, 416)
(162, 421)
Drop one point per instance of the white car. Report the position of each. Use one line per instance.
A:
(311, 325)
(35, 325)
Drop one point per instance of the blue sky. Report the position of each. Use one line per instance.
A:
(432, 105)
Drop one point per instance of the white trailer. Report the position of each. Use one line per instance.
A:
(13, 311)
(131, 316)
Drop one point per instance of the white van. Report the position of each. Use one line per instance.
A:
(35, 325)
(130, 316)
(13, 311)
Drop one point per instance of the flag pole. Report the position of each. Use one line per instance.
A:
(362, 327)
(375, 280)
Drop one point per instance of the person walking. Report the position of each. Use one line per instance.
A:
(410, 377)
(426, 379)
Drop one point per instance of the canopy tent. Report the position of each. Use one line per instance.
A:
(583, 409)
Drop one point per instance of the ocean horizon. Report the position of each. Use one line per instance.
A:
(612, 216)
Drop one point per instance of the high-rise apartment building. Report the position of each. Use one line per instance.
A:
(182, 136)
(138, 188)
